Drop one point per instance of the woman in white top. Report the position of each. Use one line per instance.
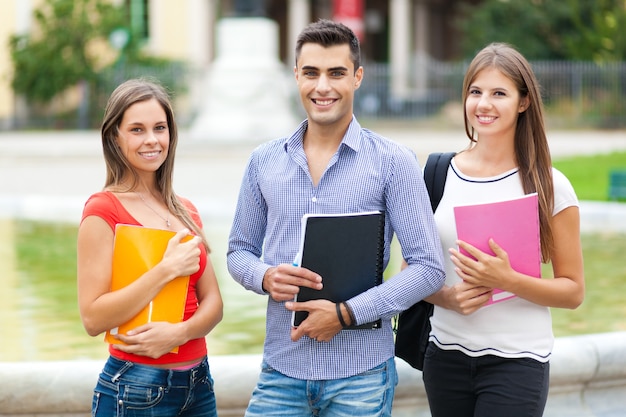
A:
(493, 360)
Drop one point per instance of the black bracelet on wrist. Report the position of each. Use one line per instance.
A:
(340, 316)
(350, 313)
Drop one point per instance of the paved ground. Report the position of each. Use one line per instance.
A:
(52, 173)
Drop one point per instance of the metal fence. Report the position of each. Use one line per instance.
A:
(576, 93)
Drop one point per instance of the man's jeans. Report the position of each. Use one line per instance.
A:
(369, 394)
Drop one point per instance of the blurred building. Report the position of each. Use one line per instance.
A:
(400, 33)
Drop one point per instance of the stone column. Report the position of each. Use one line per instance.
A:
(298, 17)
(422, 57)
(399, 47)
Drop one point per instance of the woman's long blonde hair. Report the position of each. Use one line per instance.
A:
(531, 144)
(118, 167)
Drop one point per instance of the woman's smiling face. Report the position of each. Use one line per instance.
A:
(144, 135)
(493, 104)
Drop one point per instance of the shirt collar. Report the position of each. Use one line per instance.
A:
(351, 139)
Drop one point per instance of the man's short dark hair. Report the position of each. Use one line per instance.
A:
(328, 33)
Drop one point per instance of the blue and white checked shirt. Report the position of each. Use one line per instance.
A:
(367, 173)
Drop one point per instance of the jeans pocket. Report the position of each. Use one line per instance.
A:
(379, 369)
(139, 396)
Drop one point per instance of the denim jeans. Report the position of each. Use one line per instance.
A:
(369, 394)
(127, 389)
(458, 385)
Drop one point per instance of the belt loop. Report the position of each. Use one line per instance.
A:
(127, 365)
(170, 373)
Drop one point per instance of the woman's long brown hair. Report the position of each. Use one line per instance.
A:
(531, 144)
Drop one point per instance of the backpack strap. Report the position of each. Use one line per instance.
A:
(435, 174)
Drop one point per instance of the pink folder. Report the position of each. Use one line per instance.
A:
(513, 224)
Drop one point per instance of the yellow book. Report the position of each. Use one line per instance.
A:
(136, 250)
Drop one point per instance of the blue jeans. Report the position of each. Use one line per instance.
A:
(369, 394)
(127, 389)
(458, 385)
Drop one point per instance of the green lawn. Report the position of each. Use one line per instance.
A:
(590, 174)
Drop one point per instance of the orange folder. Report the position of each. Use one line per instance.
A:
(136, 250)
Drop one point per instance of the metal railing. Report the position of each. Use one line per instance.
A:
(578, 93)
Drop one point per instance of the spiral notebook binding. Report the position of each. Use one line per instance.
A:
(381, 249)
(380, 260)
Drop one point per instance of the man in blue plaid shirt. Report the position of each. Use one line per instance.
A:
(330, 164)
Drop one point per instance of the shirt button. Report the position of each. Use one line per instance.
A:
(314, 199)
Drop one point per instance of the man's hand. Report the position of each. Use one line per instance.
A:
(283, 282)
(465, 298)
(322, 323)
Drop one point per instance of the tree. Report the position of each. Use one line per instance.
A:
(71, 46)
(599, 28)
(583, 30)
(58, 55)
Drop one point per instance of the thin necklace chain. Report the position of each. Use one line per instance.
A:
(165, 219)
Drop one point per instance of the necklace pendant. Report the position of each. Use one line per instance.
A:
(167, 222)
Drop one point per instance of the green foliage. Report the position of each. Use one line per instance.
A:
(599, 28)
(585, 30)
(491, 21)
(57, 57)
(60, 53)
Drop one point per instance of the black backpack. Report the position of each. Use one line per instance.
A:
(413, 325)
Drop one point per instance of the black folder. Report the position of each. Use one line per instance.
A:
(347, 251)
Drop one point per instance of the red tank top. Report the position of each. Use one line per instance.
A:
(107, 206)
